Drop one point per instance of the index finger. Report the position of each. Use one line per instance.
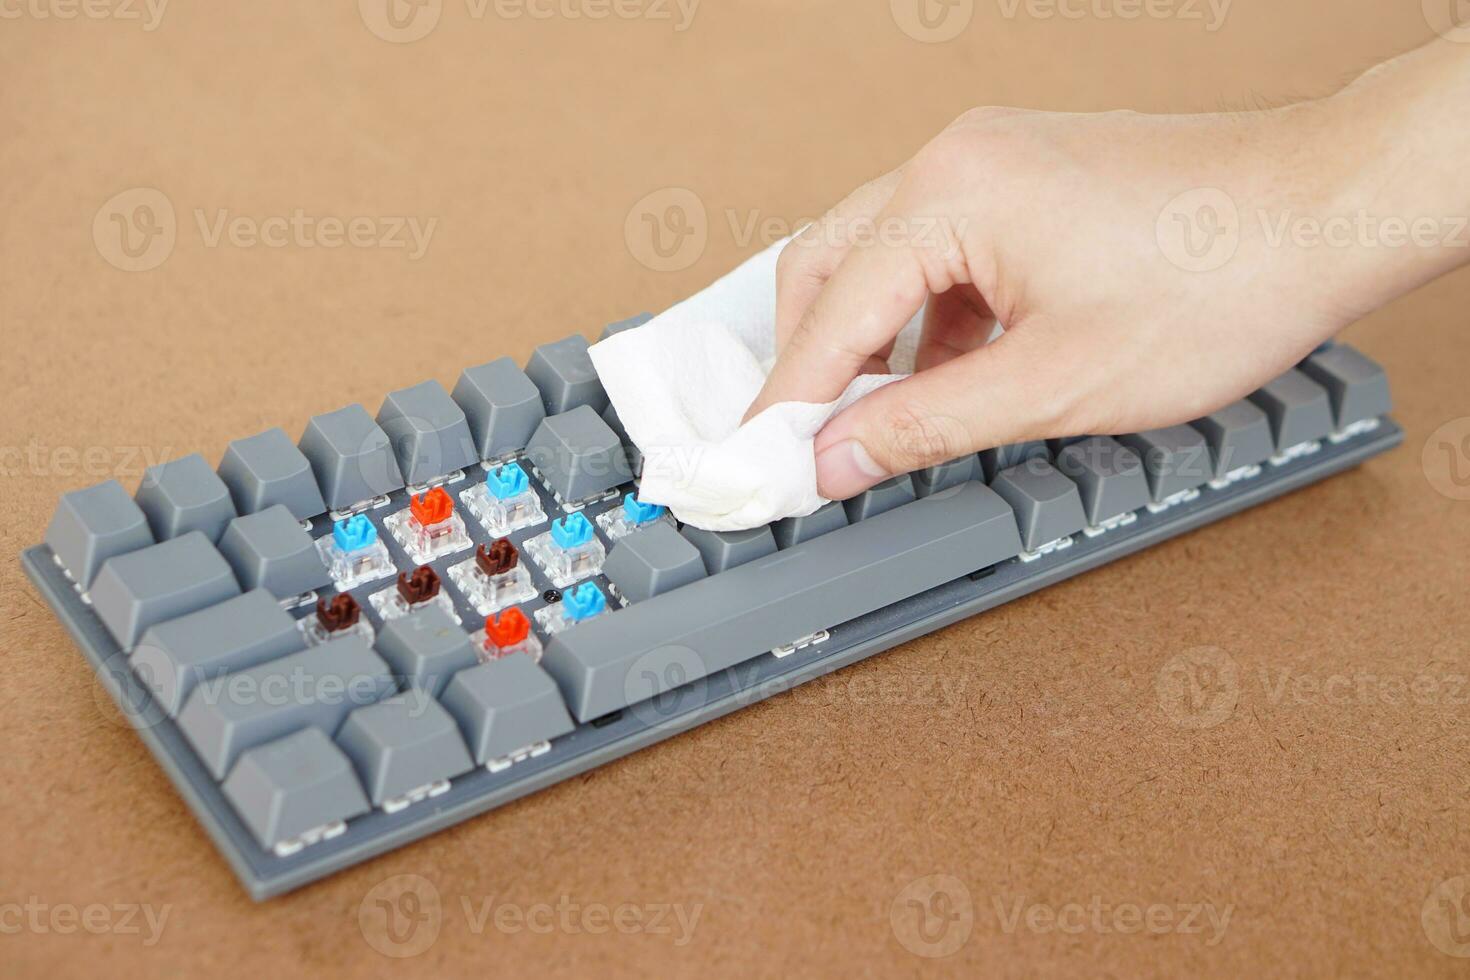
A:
(809, 259)
(876, 290)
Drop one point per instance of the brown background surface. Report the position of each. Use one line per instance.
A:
(1028, 753)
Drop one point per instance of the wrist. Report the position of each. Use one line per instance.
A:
(1390, 186)
(1295, 179)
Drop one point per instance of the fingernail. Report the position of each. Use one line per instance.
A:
(845, 469)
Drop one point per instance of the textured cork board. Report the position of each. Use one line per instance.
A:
(1241, 751)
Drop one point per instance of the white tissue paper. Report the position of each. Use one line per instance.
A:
(680, 384)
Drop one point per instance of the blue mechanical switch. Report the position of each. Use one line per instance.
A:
(569, 551)
(506, 481)
(571, 531)
(505, 502)
(355, 554)
(632, 516)
(583, 602)
(354, 533)
(579, 604)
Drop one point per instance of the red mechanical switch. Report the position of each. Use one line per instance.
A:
(431, 508)
(507, 628)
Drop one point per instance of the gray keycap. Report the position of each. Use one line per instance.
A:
(429, 432)
(94, 524)
(578, 455)
(792, 531)
(298, 783)
(635, 455)
(1175, 459)
(1298, 408)
(992, 461)
(620, 657)
(946, 475)
(267, 469)
(271, 550)
(506, 705)
(633, 321)
(651, 561)
(891, 493)
(351, 457)
(564, 373)
(1109, 477)
(425, 648)
(403, 743)
(161, 582)
(1054, 446)
(185, 495)
(1047, 504)
(502, 406)
(1357, 386)
(1238, 435)
(241, 632)
(227, 715)
(724, 550)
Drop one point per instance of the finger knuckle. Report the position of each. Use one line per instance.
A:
(791, 262)
(806, 259)
(985, 142)
(947, 157)
(984, 115)
(809, 343)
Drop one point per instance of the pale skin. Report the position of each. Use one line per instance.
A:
(1050, 224)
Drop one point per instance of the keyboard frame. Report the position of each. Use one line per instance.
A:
(264, 875)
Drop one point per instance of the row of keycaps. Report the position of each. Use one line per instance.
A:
(555, 411)
(913, 533)
(272, 551)
(286, 731)
(312, 739)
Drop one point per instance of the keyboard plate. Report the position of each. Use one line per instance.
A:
(265, 875)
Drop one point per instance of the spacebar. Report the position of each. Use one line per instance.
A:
(653, 646)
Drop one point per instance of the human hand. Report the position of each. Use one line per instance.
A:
(1051, 224)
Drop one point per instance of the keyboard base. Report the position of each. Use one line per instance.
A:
(265, 874)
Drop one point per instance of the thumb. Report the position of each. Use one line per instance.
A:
(988, 397)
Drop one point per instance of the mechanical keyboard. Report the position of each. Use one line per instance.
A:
(339, 645)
